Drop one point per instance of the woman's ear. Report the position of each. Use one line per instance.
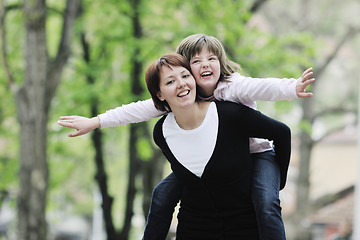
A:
(160, 97)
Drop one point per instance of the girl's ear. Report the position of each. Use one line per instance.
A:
(160, 97)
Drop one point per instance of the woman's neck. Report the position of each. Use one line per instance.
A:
(191, 117)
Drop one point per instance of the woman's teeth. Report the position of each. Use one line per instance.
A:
(183, 93)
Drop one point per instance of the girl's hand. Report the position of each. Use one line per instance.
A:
(83, 125)
(303, 82)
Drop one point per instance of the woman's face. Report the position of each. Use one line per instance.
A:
(177, 87)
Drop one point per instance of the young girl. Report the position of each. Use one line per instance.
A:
(207, 145)
(217, 79)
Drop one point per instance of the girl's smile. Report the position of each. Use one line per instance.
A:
(206, 70)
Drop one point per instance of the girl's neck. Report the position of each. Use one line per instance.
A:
(191, 117)
(206, 92)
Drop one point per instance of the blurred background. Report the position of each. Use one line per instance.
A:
(83, 57)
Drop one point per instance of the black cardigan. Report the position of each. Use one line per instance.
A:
(218, 205)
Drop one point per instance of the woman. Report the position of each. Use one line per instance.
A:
(207, 145)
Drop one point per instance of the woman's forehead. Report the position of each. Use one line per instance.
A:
(169, 68)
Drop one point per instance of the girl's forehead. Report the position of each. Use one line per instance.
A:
(204, 50)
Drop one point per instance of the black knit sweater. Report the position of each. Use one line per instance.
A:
(218, 205)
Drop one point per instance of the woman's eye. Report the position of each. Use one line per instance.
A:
(169, 82)
(186, 76)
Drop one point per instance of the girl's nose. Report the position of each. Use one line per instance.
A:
(205, 64)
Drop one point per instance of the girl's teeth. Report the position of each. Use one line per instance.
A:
(205, 74)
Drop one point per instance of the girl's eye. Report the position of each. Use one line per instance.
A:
(186, 76)
(212, 58)
(169, 82)
(195, 61)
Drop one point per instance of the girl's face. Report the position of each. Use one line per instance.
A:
(177, 87)
(206, 69)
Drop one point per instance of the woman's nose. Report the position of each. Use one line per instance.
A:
(182, 83)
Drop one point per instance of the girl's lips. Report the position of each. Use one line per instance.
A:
(206, 74)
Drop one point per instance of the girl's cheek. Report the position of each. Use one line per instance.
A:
(193, 68)
(196, 80)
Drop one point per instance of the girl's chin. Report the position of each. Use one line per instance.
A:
(207, 86)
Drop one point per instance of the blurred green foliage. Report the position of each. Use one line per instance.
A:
(108, 29)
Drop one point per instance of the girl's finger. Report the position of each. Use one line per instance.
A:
(66, 117)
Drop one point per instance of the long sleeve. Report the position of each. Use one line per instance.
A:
(246, 90)
(130, 113)
(265, 127)
(252, 123)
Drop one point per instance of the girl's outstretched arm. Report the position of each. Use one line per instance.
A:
(130, 113)
(82, 125)
(246, 90)
(135, 112)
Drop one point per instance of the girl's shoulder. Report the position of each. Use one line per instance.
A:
(233, 78)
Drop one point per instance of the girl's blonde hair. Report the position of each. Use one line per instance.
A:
(194, 44)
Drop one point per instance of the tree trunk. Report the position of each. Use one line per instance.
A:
(303, 205)
(96, 137)
(33, 117)
(152, 173)
(137, 90)
(131, 189)
(33, 103)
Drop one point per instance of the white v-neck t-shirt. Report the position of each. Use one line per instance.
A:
(193, 148)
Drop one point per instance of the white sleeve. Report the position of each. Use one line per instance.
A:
(247, 90)
(140, 111)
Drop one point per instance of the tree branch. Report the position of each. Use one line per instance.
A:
(334, 129)
(256, 6)
(13, 6)
(334, 110)
(10, 78)
(55, 10)
(72, 11)
(349, 34)
(253, 9)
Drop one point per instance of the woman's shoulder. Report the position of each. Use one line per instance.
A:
(161, 121)
(229, 106)
(158, 132)
(232, 111)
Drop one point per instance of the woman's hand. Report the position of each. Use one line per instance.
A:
(303, 82)
(82, 125)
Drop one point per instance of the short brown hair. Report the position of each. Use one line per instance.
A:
(152, 76)
(194, 44)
